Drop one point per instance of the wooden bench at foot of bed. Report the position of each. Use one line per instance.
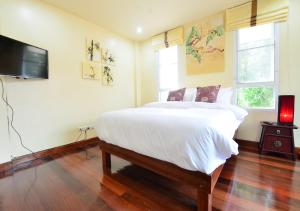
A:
(202, 182)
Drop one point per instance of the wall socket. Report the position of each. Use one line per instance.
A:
(85, 128)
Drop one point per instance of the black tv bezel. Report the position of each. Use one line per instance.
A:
(22, 76)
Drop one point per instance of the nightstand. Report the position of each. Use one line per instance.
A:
(277, 138)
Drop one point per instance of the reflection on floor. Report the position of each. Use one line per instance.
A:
(71, 182)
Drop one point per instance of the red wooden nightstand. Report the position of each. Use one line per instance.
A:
(277, 138)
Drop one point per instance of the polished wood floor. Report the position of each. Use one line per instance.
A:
(71, 182)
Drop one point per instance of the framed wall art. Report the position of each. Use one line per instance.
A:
(107, 75)
(91, 70)
(204, 45)
(93, 50)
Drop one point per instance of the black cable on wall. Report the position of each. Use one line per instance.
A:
(11, 120)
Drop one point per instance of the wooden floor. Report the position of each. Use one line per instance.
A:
(71, 182)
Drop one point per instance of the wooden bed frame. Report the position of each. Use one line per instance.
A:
(202, 182)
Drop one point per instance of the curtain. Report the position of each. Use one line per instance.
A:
(168, 39)
(256, 12)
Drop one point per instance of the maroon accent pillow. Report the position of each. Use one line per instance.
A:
(207, 94)
(176, 95)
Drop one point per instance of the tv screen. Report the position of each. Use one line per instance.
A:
(22, 60)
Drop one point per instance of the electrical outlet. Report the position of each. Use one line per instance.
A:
(85, 128)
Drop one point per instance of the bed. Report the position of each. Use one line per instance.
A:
(185, 141)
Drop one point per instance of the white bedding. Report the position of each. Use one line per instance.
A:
(193, 135)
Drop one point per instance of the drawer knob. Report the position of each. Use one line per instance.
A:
(277, 144)
(278, 132)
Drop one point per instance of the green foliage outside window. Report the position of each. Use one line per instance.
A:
(256, 97)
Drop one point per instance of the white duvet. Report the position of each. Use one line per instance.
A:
(192, 135)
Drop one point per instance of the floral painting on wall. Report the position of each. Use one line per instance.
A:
(108, 66)
(204, 43)
(100, 63)
(107, 75)
(107, 57)
(93, 50)
(91, 70)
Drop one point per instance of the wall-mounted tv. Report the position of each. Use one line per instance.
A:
(22, 60)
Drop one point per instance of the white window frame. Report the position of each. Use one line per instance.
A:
(159, 90)
(274, 84)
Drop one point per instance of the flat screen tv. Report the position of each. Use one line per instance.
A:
(22, 60)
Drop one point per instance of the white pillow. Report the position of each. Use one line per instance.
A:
(225, 96)
(190, 94)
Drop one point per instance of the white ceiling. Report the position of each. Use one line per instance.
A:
(154, 16)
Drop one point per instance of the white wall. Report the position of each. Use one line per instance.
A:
(289, 74)
(293, 61)
(48, 112)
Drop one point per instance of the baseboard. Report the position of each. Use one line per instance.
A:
(248, 143)
(26, 160)
(251, 146)
(5, 169)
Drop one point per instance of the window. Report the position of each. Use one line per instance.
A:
(167, 71)
(257, 68)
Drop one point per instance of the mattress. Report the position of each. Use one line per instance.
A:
(192, 135)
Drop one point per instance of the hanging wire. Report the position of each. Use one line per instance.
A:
(11, 122)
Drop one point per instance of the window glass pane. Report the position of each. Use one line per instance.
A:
(256, 65)
(252, 37)
(256, 97)
(163, 95)
(168, 55)
(168, 77)
(168, 71)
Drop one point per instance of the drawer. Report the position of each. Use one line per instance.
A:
(277, 144)
(278, 131)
